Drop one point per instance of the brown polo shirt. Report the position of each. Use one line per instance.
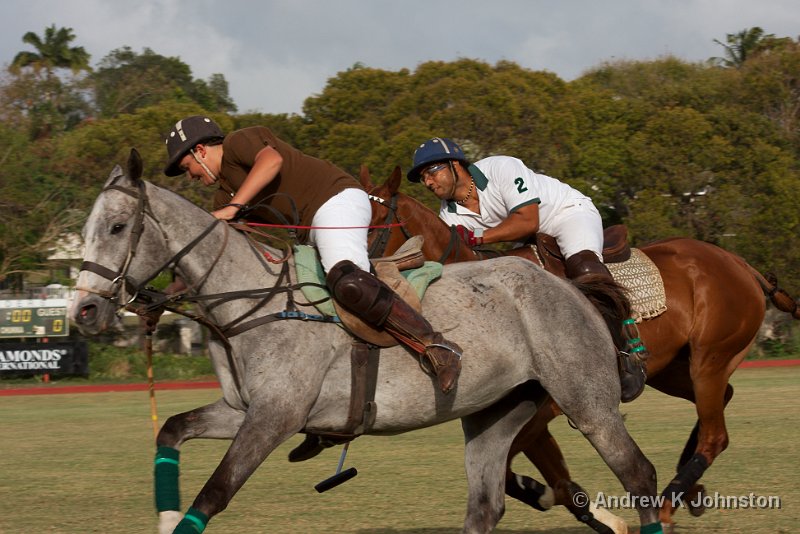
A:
(308, 181)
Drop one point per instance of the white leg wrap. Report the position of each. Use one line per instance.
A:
(168, 520)
(615, 523)
(548, 499)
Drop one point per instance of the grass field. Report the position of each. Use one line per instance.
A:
(83, 463)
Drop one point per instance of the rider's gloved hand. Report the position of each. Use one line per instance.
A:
(469, 236)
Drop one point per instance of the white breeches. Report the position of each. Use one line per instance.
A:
(343, 223)
(578, 227)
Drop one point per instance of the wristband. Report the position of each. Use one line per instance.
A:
(478, 233)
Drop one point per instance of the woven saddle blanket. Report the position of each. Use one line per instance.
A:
(640, 277)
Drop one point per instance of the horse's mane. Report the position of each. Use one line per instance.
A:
(610, 299)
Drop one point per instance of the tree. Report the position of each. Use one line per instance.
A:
(740, 46)
(52, 52)
(47, 102)
(126, 81)
(35, 206)
(770, 85)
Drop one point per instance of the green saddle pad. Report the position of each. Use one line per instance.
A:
(309, 270)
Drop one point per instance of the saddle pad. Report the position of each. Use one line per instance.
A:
(309, 269)
(640, 277)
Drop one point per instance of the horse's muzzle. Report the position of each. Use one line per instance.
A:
(92, 314)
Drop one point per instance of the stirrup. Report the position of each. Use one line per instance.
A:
(443, 346)
(425, 362)
(445, 366)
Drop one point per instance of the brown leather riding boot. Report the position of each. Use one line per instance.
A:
(376, 304)
(312, 445)
(632, 372)
(583, 263)
(309, 448)
(443, 357)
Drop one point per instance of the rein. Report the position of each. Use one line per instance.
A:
(150, 300)
(120, 278)
(120, 281)
(378, 246)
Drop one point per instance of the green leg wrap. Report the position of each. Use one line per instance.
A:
(194, 522)
(652, 528)
(635, 343)
(167, 491)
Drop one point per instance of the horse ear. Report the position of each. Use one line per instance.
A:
(364, 177)
(116, 173)
(394, 180)
(135, 166)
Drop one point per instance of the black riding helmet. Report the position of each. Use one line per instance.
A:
(184, 136)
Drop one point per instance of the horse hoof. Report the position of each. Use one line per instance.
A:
(697, 497)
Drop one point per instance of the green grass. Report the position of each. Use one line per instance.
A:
(83, 463)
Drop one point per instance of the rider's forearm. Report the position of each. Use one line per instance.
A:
(516, 227)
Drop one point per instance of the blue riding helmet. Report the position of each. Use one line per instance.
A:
(431, 151)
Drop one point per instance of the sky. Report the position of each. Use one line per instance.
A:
(276, 53)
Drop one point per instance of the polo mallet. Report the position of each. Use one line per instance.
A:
(151, 386)
(340, 477)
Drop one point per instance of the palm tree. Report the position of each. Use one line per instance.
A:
(740, 46)
(48, 102)
(53, 52)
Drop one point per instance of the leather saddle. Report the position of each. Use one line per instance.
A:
(387, 269)
(615, 249)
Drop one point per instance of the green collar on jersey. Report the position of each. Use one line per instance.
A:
(481, 182)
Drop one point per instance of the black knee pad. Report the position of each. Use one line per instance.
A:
(360, 293)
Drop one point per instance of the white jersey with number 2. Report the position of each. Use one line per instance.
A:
(505, 184)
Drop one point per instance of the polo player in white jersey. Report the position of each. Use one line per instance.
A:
(499, 199)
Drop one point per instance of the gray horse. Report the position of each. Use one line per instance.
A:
(521, 329)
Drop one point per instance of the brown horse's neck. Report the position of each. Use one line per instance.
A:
(439, 239)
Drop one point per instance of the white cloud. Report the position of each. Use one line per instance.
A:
(275, 54)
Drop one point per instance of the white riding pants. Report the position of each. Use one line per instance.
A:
(578, 227)
(342, 225)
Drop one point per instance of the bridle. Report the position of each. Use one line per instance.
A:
(127, 292)
(125, 289)
(378, 246)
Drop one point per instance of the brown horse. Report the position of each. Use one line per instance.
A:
(715, 305)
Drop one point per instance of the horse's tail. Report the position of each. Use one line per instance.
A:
(779, 297)
(610, 299)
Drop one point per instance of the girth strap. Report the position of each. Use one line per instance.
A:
(364, 379)
(361, 414)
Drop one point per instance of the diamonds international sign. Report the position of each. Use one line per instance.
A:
(61, 358)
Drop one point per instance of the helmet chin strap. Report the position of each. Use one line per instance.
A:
(455, 179)
(205, 167)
